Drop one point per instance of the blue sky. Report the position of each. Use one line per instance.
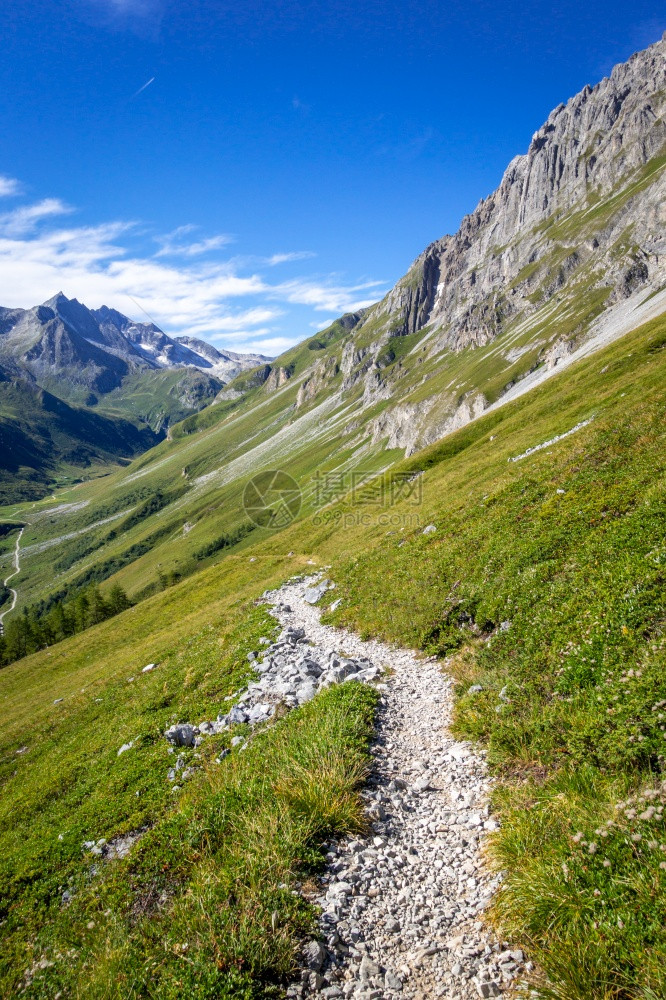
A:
(287, 160)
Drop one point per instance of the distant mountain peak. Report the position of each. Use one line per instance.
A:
(82, 354)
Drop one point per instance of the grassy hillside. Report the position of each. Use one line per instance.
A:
(45, 441)
(543, 583)
(204, 902)
(161, 398)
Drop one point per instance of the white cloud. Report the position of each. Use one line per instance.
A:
(272, 346)
(287, 258)
(322, 295)
(251, 317)
(171, 245)
(9, 186)
(23, 219)
(227, 300)
(236, 334)
(135, 8)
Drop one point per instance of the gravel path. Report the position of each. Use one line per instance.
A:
(401, 907)
(16, 570)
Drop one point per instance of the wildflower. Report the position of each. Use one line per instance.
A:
(577, 837)
(607, 863)
(592, 849)
(636, 837)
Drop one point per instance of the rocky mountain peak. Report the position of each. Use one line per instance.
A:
(569, 249)
(593, 146)
(83, 354)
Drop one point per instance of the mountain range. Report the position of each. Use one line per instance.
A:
(567, 254)
(115, 384)
(472, 468)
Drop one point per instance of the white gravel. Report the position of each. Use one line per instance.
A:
(402, 908)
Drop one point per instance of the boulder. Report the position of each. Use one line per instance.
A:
(181, 735)
(237, 716)
(314, 954)
(314, 594)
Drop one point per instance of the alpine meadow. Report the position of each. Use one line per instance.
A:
(342, 673)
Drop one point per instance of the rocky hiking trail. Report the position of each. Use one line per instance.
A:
(402, 908)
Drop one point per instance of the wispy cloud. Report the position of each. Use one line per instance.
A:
(142, 17)
(9, 187)
(130, 8)
(25, 218)
(410, 148)
(287, 258)
(172, 244)
(327, 295)
(249, 317)
(224, 300)
(272, 346)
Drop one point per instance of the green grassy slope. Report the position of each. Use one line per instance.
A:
(45, 441)
(335, 411)
(160, 398)
(193, 906)
(569, 709)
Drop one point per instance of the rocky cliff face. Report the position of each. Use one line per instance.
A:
(576, 226)
(596, 145)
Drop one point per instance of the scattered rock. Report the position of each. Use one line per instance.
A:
(314, 954)
(290, 672)
(181, 735)
(368, 969)
(488, 989)
(314, 594)
(392, 982)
